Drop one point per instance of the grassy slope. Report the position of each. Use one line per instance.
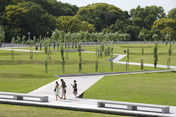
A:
(24, 111)
(152, 88)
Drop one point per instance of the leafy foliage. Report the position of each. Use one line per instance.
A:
(73, 24)
(101, 15)
(57, 8)
(144, 17)
(172, 14)
(166, 26)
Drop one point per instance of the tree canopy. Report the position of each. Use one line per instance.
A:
(165, 26)
(56, 8)
(73, 24)
(101, 15)
(172, 14)
(144, 17)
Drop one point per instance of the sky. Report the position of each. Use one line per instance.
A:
(126, 4)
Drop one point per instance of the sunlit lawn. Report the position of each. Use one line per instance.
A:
(151, 88)
(26, 111)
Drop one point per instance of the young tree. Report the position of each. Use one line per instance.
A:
(155, 37)
(128, 57)
(46, 66)
(80, 57)
(112, 59)
(12, 51)
(49, 49)
(142, 60)
(166, 38)
(169, 59)
(102, 49)
(96, 61)
(31, 51)
(63, 58)
(40, 43)
(18, 41)
(46, 52)
(155, 55)
(141, 36)
(23, 39)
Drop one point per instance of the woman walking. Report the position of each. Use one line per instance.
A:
(57, 90)
(74, 85)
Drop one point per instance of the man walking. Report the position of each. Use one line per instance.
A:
(63, 86)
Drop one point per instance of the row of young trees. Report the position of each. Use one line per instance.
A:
(103, 50)
(108, 51)
(71, 39)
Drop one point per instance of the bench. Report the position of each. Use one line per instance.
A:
(133, 106)
(19, 96)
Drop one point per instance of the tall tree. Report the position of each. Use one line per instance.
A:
(134, 31)
(29, 17)
(144, 17)
(101, 15)
(4, 3)
(57, 8)
(172, 14)
(166, 26)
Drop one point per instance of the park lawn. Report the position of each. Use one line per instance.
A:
(24, 75)
(26, 111)
(151, 88)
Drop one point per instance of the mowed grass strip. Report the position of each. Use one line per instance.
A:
(151, 88)
(26, 111)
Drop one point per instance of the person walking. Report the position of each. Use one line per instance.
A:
(63, 86)
(74, 85)
(57, 90)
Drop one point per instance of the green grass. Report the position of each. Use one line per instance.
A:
(24, 75)
(152, 88)
(24, 111)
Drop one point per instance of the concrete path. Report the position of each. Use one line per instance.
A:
(119, 57)
(83, 82)
(19, 50)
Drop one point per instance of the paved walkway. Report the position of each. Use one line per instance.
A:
(119, 57)
(19, 50)
(84, 82)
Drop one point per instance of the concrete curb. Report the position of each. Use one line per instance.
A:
(110, 73)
